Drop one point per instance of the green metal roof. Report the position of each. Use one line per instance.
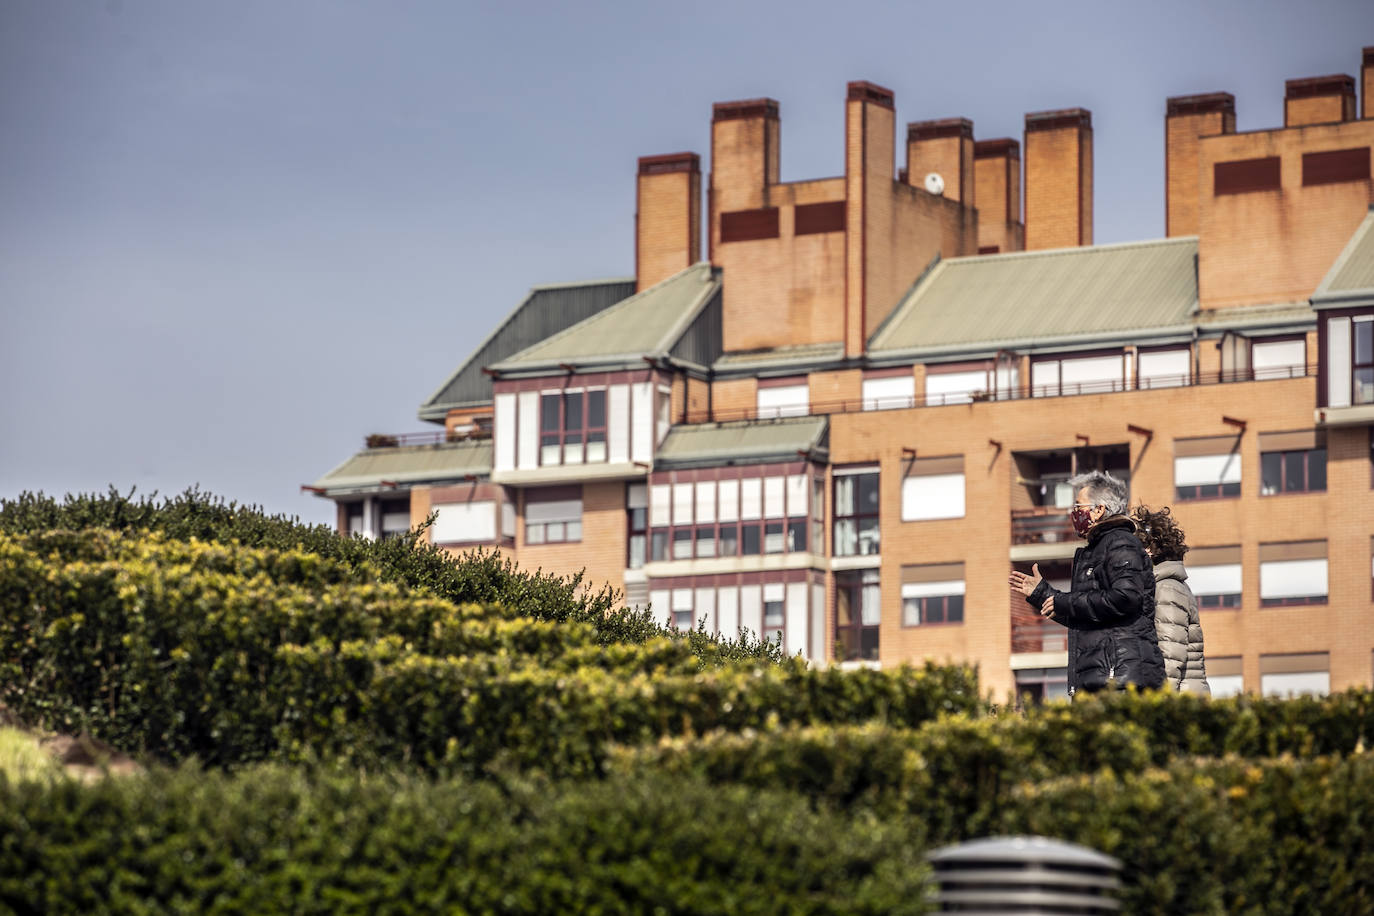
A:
(806, 355)
(1351, 278)
(547, 309)
(648, 323)
(1040, 297)
(409, 464)
(754, 440)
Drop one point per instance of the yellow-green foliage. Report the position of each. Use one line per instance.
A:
(231, 654)
(22, 760)
(529, 751)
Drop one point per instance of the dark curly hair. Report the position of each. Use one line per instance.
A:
(1159, 533)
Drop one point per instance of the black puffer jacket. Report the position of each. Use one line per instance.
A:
(1110, 611)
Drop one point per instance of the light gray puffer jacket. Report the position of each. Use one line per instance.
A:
(1179, 629)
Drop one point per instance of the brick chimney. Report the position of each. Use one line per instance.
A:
(997, 189)
(1367, 83)
(944, 147)
(1187, 119)
(869, 135)
(667, 216)
(1318, 100)
(1059, 179)
(744, 158)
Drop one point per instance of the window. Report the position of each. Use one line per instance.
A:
(1214, 575)
(1350, 360)
(752, 516)
(932, 593)
(1292, 462)
(933, 489)
(1036, 685)
(1271, 359)
(1163, 368)
(961, 383)
(572, 427)
(1224, 676)
(1299, 674)
(783, 398)
(1207, 468)
(637, 523)
(354, 524)
(466, 522)
(856, 513)
(1293, 573)
(888, 392)
(553, 515)
(395, 517)
(858, 614)
(1078, 375)
(774, 612)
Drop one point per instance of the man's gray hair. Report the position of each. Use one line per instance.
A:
(1104, 490)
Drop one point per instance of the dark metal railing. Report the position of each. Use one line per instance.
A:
(1042, 525)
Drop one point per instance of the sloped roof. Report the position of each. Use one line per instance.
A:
(753, 440)
(409, 464)
(1351, 278)
(648, 323)
(806, 355)
(546, 310)
(992, 301)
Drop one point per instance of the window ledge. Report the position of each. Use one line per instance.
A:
(1358, 415)
(570, 473)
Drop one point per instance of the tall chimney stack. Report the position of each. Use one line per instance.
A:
(997, 180)
(1318, 100)
(944, 147)
(744, 158)
(1367, 83)
(1187, 119)
(1059, 179)
(667, 216)
(869, 131)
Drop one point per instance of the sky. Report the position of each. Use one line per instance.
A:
(237, 237)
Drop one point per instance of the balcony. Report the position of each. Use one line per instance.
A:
(1041, 525)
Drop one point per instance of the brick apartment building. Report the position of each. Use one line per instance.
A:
(843, 425)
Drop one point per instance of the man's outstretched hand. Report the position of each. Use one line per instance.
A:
(1020, 582)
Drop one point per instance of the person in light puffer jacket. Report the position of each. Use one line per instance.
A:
(1176, 616)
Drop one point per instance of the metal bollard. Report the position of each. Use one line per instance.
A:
(1024, 875)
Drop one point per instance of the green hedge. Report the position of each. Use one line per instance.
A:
(233, 654)
(275, 840)
(1220, 836)
(480, 577)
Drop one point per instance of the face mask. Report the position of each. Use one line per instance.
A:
(1081, 519)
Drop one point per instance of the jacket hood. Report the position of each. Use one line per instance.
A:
(1170, 569)
(1108, 523)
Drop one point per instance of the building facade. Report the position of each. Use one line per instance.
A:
(842, 425)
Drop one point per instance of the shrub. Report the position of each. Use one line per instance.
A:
(273, 839)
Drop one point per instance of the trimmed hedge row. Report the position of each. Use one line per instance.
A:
(479, 577)
(276, 840)
(1222, 836)
(957, 771)
(163, 647)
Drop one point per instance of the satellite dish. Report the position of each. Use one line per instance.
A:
(935, 184)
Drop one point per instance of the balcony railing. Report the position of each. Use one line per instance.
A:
(1042, 525)
(1070, 389)
(1038, 637)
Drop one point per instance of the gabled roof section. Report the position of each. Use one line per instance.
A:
(1351, 279)
(1044, 297)
(546, 310)
(802, 357)
(409, 464)
(705, 444)
(649, 323)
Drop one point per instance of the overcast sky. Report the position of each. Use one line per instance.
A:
(236, 237)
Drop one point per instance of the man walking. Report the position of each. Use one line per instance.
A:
(1110, 606)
